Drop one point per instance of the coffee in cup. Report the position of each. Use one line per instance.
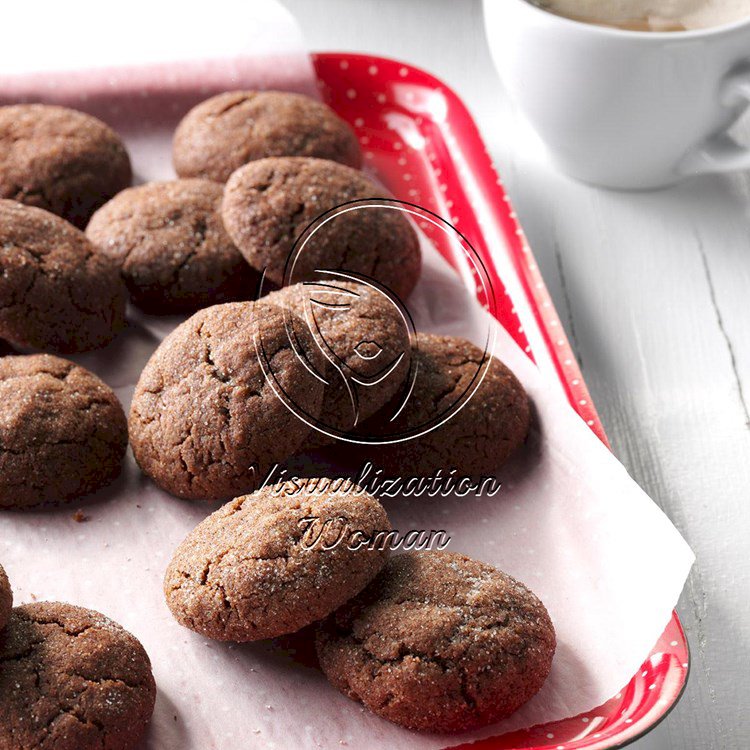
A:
(651, 15)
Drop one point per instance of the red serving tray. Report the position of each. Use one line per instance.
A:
(421, 141)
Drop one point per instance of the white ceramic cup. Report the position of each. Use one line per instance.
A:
(624, 109)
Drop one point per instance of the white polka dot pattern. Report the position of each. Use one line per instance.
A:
(421, 143)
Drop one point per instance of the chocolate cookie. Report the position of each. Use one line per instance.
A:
(439, 642)
(72, 679)
(63, 433)
(61, 160)
(273, 562)
(168, 241)
(6, 598)
(269, 203)
(208, 418)
(355, 338)
(56, 291)
(486, 408)
(231, 129)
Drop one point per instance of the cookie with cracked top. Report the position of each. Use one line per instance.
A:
(72, 679)
(57, 292)
(439, 642)
(356, 339)
(63, 433)
(228, 130)
(268, 204)
(169, 242)
(270, 563)
(209, 417)
(477, 413)
(6, 598)
(59, 159)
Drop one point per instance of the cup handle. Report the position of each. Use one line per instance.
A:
(720, 152)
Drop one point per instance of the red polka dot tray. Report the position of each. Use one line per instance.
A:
(421, 141)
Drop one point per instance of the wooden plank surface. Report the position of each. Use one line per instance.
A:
(654, 292)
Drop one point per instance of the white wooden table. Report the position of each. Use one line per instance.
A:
(654, 292)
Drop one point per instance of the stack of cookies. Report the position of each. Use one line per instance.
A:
(432, 641)
(293, 267)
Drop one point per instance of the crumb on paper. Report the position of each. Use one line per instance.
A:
(80, 517)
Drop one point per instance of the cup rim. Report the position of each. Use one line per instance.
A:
(633, 34)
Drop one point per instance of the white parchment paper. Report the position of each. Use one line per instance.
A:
(568, 522)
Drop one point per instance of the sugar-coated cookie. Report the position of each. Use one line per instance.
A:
(439, 642)
(208, 418)
(59, 159)
(221, 134)
(56, 291)
(169, 242)
(269, 203)
(72, 679)
(63, 433)
(356, 338)
(275, 561)
(480, 417)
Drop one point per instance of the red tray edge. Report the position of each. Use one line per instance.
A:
(557, 347)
